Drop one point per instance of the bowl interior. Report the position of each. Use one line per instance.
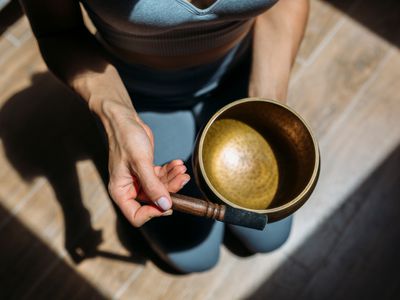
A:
(257, 155)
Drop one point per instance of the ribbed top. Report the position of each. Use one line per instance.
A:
(172, 27)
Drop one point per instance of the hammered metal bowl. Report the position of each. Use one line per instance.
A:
(259, 155)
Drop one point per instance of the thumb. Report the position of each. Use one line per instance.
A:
(153, 188)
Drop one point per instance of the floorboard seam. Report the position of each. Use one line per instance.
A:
(127, 283)
(356, 98)
(13, 213)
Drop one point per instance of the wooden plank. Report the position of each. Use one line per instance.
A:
(38, 137)
(349, 153)
(24, 257)
(365, 258)
(149, 285)
(14, 191)
(192, 286)
(326, 87)
(246, 275)
(42, 214)
(323, 19)
(367, 12)
(18, 68)
(363, 262)
(107, 274)
(338, 235)
(6, 48)
(20, 31)
(230, 279)
(289, 286)
(45, 219)
(323, 23)
(350, 147)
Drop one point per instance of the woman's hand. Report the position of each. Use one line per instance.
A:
(133, 176)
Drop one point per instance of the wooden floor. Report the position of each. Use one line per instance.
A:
(59, 237)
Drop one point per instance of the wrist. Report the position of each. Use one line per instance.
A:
(272, 92)
(113, 113)
(104, 92)
(270, 79)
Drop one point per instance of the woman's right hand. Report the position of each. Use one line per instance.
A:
(133, 175)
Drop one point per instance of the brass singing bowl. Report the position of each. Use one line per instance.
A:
(259, 155)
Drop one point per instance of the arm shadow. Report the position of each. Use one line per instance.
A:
(46, 130)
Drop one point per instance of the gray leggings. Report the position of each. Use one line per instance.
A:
(188, 243)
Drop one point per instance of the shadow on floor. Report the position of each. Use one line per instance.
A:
(354, 254)
(25, 259)
(381, 17)
(46, 130)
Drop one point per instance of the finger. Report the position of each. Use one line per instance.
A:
(178, 183)
(137, 214)
(158, 170)
(161, 174)
(152, 187)
(177, 170)
(169, 166)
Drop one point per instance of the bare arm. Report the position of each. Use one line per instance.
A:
(72, 53)
(277, 35)
(75, 57)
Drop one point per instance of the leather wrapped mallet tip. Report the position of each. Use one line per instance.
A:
(245, 218)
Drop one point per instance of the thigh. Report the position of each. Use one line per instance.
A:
(188, 243)
(185, 242)
(233, 86)
(174, 134)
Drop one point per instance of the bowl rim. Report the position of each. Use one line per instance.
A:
(292, 203)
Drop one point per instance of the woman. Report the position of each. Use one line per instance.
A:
(163, 67)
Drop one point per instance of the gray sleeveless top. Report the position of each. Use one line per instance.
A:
(172, 27)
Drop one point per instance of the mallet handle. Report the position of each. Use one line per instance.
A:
(223, 213)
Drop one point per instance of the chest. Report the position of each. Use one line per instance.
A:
(157, 16)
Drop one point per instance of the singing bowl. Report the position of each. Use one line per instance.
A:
(258, 155)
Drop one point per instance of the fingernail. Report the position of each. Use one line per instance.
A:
(163, 203)
(183, 183)
(167, 213)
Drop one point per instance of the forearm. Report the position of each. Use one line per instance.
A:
(277, 36)
(76, 59)
(74, 56)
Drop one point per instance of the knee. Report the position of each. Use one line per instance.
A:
(275, 237)
(267, 240)
(194, 261)
(201, 257)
